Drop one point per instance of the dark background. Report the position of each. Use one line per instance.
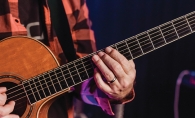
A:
(157, 72)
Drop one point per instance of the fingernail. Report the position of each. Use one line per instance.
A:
(100, 54)
(95, 58)
(108, 49)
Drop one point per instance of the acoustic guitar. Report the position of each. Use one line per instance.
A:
(34, 78)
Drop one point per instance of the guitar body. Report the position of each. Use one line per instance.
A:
(20, 59)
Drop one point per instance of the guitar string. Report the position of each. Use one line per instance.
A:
(19, 103)
(161, 37)
(63, 80)
(140, 42)
(153, 37)
(174, 32)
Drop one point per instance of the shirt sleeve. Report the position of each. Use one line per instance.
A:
(84, 43)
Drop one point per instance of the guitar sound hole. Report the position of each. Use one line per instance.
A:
(16, 93)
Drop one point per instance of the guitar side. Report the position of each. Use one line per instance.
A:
(20, 59)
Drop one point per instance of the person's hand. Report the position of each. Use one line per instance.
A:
(6, 109)
(115, 74)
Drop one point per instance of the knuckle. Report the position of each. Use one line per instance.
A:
(125, 85)
(108, 76)
(116, 66)
(113, 51)
(104, 57)
(98, 62)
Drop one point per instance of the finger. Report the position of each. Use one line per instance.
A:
(132, 63)
(102, 85)
(113, 65)
(3, 96)
(106, 72)
(7, 109)
(3, 89)
(11, 116)
(119, 58)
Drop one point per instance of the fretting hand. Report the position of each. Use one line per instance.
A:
(115, 74)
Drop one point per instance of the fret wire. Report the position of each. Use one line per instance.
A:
(77, 71)
(163, 25)
(63, 76)
(67, 75)
(116, 47)
(46, 83)
(184, 23)
(32, 91)
(84, 68)
(128, 48)
(51, 81)
(150, 40)
(36, 88)
(189, 24)
(139, 45)
(151, 34)
(183, 28)
(133, 45)
(57, 78)
(162, 35)
(192, 23)
(70, 74)
(165, 35)
(156, 35)
(185, 34)
(41, 86)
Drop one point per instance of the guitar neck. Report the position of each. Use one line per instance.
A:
(75, 72)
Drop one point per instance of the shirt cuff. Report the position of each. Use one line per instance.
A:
(98, 98)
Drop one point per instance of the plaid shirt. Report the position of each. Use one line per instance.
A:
(82, 35)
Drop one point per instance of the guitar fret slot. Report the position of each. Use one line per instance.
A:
(28, 89)
(191, 20)
(54, 80)
(169, 32)
(61, 78)
(134, 47)
(68, 77)
(49, 84)
(157, 38)
(124, 49)
(74, 74)
(145, 43)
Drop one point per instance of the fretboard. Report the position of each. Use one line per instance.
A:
(75, 72)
